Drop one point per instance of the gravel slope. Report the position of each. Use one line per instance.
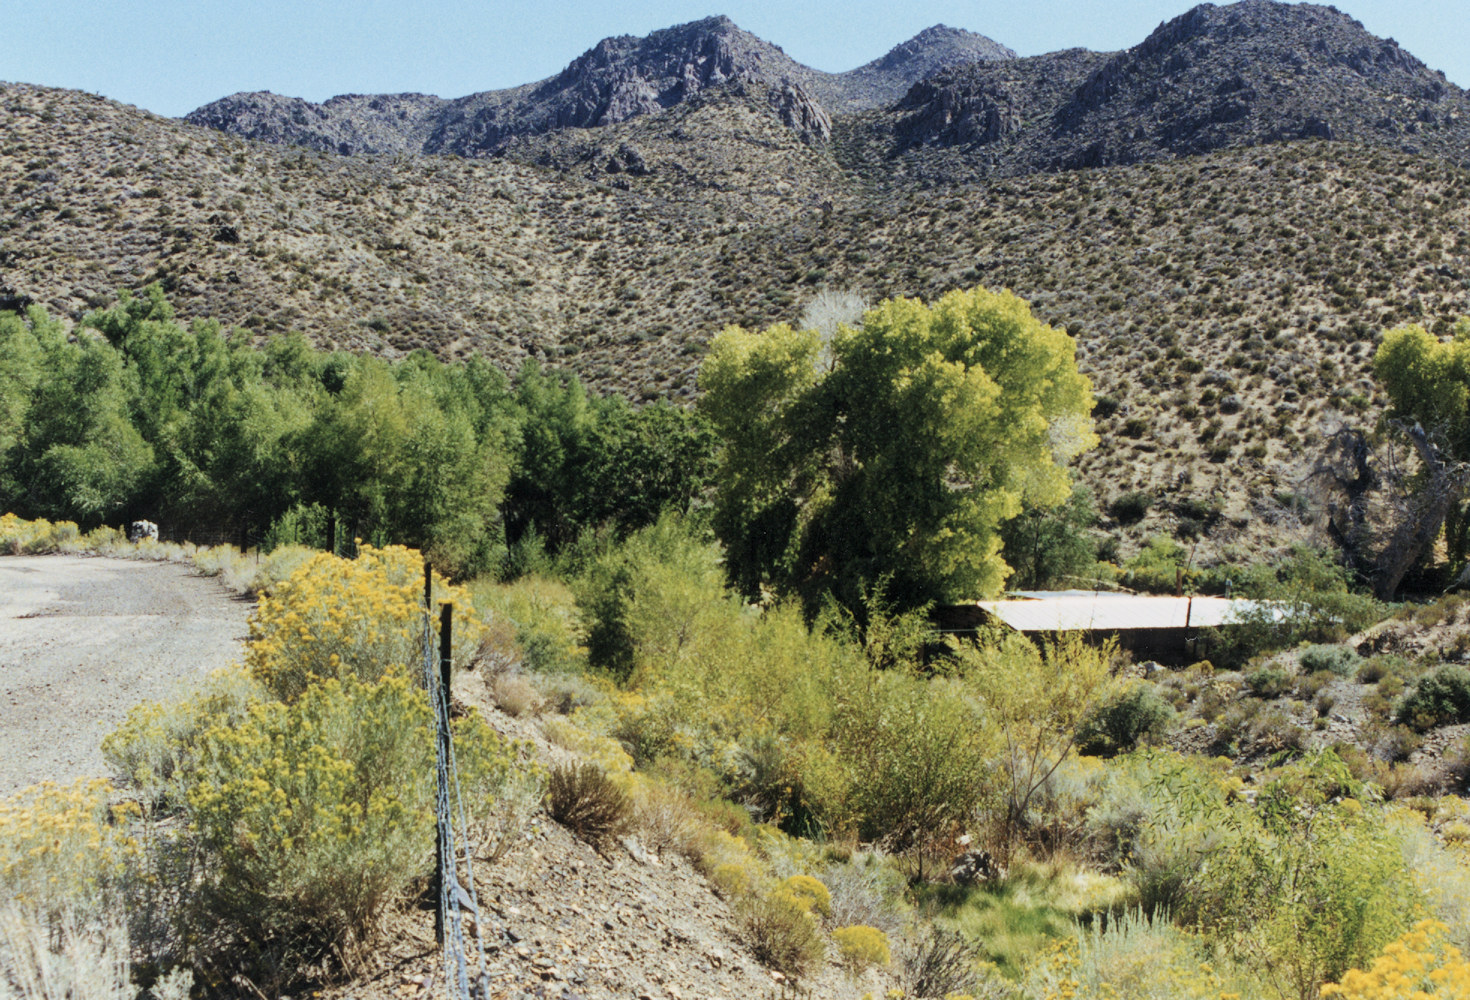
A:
(83, 639)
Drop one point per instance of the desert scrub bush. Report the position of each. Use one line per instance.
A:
(337, 617)
(1439, 698)
(1274, 731)
(866, 889)
(1031, 701)
(1120, 721)
(501, 789)
(1056, 821)
(860, 947)
(1311, 883)
(940, 963)
(514, 695)
(157, 747)
(586, 800)
(651, 600)
(1340, 661)
(1419, 963)
(1130, 508)
(1132, 956)
(75, 958)
(914, 753)
(1310, 600)
(543, 612)
(1139, 828)
(1268, 682)
(64, 848)
(307, 812)
(811, 893)
(19, 536)
(1159, 567)
(667, 818)
(572, 734)
(781, 931)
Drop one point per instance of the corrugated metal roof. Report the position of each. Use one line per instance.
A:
(1068, 611)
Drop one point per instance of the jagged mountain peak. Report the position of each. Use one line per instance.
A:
(887, 78)
(618, 78)
(1241, 74)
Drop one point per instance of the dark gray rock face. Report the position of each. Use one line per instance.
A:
(349, 124)
(887, 79)
(623, 78)
(1240, 75)
(953, 105)
(616, 80)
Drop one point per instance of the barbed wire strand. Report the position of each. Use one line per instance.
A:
(449, 808)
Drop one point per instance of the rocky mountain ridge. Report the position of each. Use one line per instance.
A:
(617, 79)
(1249, 73)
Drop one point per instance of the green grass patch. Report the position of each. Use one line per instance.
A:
(1016, 918)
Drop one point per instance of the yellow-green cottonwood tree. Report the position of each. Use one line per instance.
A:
(893, 453)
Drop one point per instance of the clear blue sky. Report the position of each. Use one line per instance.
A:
(171, 56)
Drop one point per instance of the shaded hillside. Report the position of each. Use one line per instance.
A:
(1216, 77)
(617, 79)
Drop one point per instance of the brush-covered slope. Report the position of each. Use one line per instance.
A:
(1224, 332)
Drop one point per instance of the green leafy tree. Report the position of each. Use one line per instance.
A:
(77, 455)
(897, 450)
(1052, 547)
(597, 462)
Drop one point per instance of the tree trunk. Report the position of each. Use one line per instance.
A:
(1424, 515)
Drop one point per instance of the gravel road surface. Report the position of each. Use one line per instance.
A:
(83, 639)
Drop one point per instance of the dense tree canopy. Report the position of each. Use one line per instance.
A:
(135, 415)
(894, 452)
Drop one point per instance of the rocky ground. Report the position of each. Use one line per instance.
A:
(566, 922)
(83, 639)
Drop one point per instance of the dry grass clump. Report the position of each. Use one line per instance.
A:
(781, 931)
(583, 798)
(668, 820)
(67, 959)
(514, 695)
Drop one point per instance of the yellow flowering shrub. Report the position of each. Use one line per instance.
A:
(1419, 965)
(63, 847)
(862, 946)
(811, 892)
(314, 814)
(780, 931)
(733, 879)
(155, 749)
(21, 537)
(337, 617)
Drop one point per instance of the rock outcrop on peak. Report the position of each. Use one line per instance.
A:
(1249, 73)
(887, 79)
(617, 79)
(348, 124)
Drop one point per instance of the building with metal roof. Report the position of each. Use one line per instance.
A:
(1167, 629)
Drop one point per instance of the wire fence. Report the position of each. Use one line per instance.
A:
(456, 898)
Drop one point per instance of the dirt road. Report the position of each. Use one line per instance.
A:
(83, 639)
